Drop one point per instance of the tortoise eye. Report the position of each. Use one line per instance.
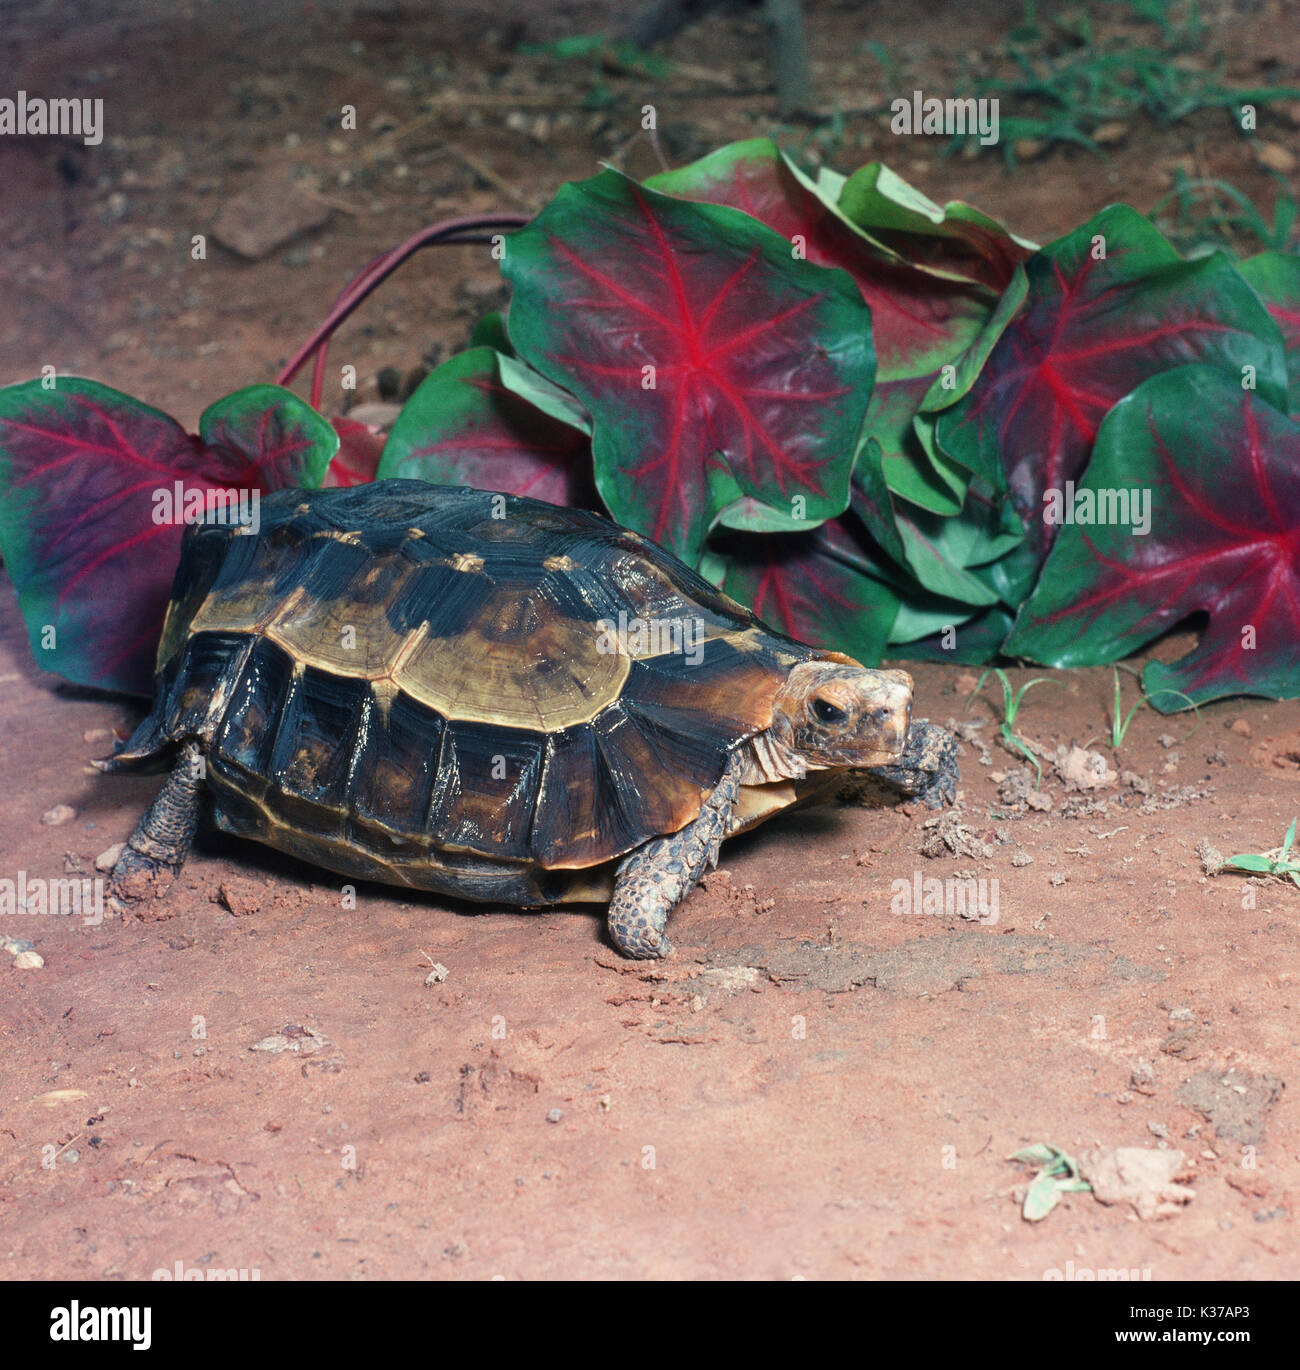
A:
(826, 712)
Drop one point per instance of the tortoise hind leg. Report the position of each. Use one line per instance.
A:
(656, 877)
(157, 848)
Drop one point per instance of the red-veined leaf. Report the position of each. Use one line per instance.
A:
(97, 490)
(920, 322)
(465, 426)
(1093, 328)
(828, 587)
(695, 340)
(1221, 470)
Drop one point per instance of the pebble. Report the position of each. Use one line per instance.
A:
(1030, 149)
(29, 960)
(555, 1115)
(107, 859)
(58, 815)
(270, 212)
(1275, 157)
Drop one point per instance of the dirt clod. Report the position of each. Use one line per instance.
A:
(1145, 1179)
(1235, 1102)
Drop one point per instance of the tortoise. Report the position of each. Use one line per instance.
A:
(490, 697)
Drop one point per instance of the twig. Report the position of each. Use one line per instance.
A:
(485, 173)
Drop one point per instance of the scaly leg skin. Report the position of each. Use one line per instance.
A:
(157, 848)
(927, 769)
(656, 877)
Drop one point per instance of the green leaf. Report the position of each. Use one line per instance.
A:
(1043, 1195)
(955, 240)
(1251, 862)
(1275, 277)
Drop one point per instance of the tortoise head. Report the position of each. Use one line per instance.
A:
(841, 714)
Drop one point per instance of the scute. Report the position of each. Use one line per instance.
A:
(418, 682)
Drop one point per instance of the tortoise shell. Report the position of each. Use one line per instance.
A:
(427, 685)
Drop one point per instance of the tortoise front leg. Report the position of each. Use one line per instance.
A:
(157, 848)
(656, 877)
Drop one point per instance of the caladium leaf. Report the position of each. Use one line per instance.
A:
(947, 389)
(695, 340)
(942, 552)
(947, 635)
(266, 434)
(1092, 328)
(828, 587)
(873, 502)
(956, 240)
(1275, 277)
(1222, 472)
(920, 323)
(490, 331)
(360, 446)
(97, 490)
(465, 426)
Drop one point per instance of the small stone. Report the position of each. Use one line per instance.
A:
(1029, 149)
(376, 415)
(1110, 135)
(555, 1115)
(268, 213)
(1240, 727)
(107, 859)
(58, 815)
(1275, 157)
(29, 960)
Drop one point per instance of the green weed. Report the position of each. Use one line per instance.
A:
(1011, 701)
(1207, 214)
(1279, 862)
